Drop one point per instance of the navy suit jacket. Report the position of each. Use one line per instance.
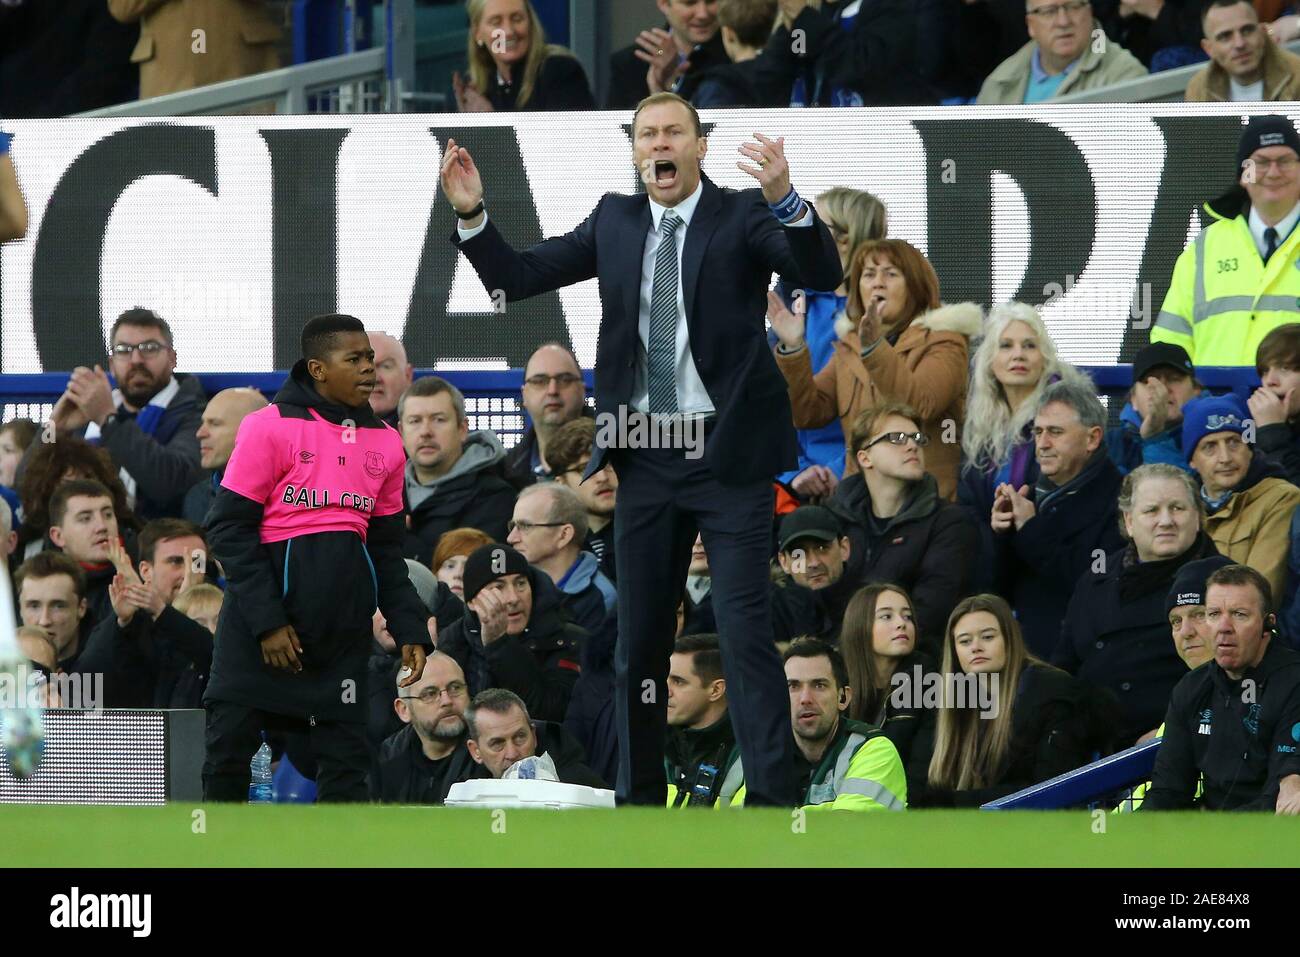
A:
(733, 245)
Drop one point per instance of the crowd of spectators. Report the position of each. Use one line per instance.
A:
(716, 53)
(964, 521)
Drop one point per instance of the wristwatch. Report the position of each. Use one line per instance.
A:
(470, 213)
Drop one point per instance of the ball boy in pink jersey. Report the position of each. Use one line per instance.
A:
(308, 525)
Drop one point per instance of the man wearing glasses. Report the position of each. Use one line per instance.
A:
(1067, 53)
(912, 537)
(1238, 280)
(420, 763)
(553, 394)
(147, 422)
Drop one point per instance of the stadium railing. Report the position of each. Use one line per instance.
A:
(492, 396)
(1100, 782)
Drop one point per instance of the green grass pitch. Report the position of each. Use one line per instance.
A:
(309, 836)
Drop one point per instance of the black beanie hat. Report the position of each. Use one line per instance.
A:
(487, 563)
(1262, 132)
(1189, 584)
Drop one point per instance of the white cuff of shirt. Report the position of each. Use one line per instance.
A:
(465, 234)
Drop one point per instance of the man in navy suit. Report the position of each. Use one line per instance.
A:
(683, 271)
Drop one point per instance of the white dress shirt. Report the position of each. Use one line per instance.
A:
(1257, 227)
(692, 397)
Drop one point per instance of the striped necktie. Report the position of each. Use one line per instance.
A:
(661, 349)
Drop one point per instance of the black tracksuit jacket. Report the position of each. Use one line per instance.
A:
(1242, 737)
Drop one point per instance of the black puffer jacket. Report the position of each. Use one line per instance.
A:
(326, 584)
(1050, 734)
(1242, 744)
(1122, 644)
(404, 775)
(929, 548)
(541, 665)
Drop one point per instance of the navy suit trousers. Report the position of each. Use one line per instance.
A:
(664, 498)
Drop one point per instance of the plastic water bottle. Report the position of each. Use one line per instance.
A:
(259, 789)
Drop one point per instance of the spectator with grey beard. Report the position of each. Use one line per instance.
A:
(444, 608)
(420, 763)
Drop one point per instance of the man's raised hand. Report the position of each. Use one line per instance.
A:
(121, 601)
(491, 611)
(67, 415)
(772, 171)
(659, 49)
(122, 562)
(461, 183)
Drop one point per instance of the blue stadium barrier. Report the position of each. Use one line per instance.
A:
(1084, 785)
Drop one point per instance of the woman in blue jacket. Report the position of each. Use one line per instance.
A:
(853, 216)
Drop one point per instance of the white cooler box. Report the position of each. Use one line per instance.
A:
(489, 793)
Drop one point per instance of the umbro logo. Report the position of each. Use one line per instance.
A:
(306, 456)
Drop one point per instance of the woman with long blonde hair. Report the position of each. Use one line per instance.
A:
(1015, 360)
(1008, 720)
(512, 67)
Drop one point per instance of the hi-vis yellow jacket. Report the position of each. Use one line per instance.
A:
(1133, 800)
(1223, 299)
(861, 771)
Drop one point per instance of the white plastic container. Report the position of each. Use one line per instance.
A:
(489, 793)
